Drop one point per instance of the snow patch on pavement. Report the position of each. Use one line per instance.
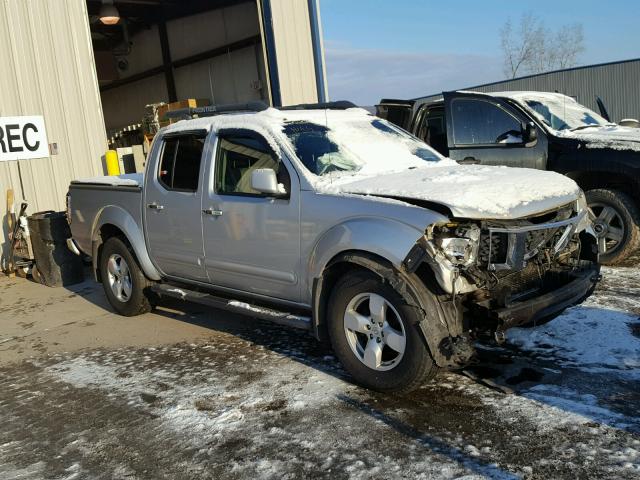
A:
(595, 336)
(584, 406)
(589, 338)
(212, 402)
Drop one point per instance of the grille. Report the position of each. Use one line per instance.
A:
(493, 248)
(507, 250)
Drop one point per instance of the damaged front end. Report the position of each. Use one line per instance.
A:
(499, 274)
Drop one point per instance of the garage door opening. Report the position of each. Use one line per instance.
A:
(150, 52)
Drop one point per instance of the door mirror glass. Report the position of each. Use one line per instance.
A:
(264, 180)
(530, 133)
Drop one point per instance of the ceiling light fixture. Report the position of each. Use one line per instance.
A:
(109, 14)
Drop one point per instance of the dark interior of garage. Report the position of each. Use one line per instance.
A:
(184, 53)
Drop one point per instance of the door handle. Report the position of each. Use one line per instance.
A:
(155, 206)
(469, 161)
(212, 212)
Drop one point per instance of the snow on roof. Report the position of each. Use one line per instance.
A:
(262, 122)
(350, 129)
(522, 95)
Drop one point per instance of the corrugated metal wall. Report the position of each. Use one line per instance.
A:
(616, 83)
(47, 68)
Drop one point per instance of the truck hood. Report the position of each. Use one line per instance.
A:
(612, 137)
(473, 191)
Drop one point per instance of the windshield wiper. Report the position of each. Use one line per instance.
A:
(582, 127)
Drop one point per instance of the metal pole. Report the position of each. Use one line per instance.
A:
(20, 177)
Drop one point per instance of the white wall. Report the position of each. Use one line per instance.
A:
(294, 51)
(47, 68)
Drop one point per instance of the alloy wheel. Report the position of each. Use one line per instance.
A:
(119, 277)
(374, 331)
(608, 226)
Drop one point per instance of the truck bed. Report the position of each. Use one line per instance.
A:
(126, 180)
(89, 197)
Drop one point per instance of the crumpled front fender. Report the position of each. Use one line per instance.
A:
(386, 238)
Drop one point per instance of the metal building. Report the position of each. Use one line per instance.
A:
(87, 78)
(616, 83)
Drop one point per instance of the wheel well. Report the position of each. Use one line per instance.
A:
(419, 288)
(338, 266)
(614, 181)
(106, 231)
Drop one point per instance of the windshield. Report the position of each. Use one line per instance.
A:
(356, 143)
(563, 113)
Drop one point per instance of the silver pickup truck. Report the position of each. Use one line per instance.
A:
(326, 218)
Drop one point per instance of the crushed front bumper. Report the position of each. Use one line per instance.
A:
(551, 303)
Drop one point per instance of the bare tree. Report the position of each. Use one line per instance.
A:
(519, 46)
(533, 48)
(568, 45)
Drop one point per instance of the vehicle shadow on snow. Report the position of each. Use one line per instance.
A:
(601, 396)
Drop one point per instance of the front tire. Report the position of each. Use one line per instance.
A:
(617, 225)
(122, 279)
(374, 333)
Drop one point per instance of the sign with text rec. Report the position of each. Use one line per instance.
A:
(23, 138)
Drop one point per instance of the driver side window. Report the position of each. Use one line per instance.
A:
(477, 122)
(238, 156)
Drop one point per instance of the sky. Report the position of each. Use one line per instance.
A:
(406, 49)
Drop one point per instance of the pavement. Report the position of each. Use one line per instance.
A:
(185, 393)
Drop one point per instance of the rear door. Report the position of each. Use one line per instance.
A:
(398, 112)
(173, 205)
(429, 125)
(487, 130)
(251, 240)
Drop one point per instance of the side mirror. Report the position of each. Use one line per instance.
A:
(264, 180)
(529, 133)
(629, 122)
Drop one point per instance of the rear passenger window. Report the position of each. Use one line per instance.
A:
(180, 162)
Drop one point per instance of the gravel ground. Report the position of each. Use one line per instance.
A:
(96, 396)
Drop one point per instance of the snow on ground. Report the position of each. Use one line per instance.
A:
(595, 336)
(592, 354)
(260, 401)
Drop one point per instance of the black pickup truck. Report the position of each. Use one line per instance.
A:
(547, 131)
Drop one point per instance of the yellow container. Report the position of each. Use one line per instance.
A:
(113, 163)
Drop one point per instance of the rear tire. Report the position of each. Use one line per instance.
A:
(123, 281)
(392, 357)
(617, 225)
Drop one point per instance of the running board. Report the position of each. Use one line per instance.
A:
(236, 306)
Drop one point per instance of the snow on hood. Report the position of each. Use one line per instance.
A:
(562, 114)
(612, 136)
(471, 191)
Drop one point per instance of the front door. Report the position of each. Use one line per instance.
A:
(251, 240)
(486, 130)
(173, 210)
